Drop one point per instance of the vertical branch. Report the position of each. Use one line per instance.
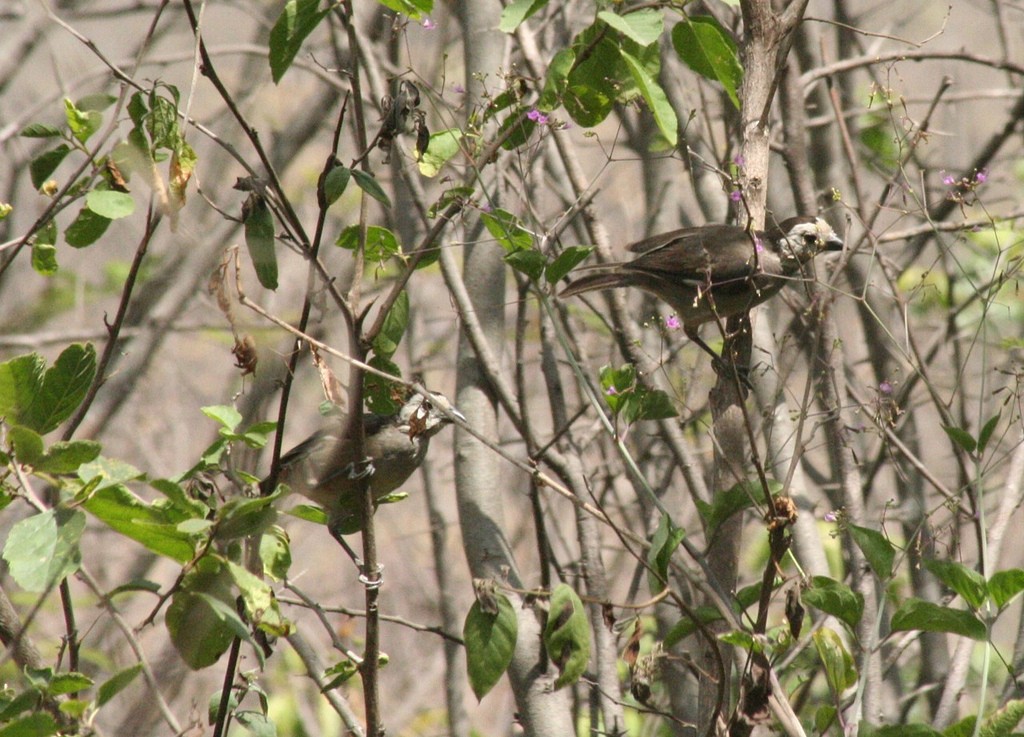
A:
(765, 36)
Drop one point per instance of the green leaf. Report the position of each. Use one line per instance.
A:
(567, 635)
(557, 80)
(98, 101)
(653, 404)
(338, 674)
(415, 9)
(986, 432)
(44, 258)
(442, 147)
(83, 123)
(663, 544)
(43, 549)
(260, 604)
(379, 393)
(201, 619)
(968, 583)
(566, 261)
(381, 243)
(40, 130)
(521, 129)
(43, 165)
(117, 683)
(66, 457)
(110, 204)
(369, 184)
(86, 229)
(42, 400)
(529, 262)
(709, 50)
(393, 327)
(335, 183)
(155, 527)
(725, 504)
(513, 14)
(298, 19)
(961, 437)
(835, 598)
(225, 414)
(507, 230)
(916, 614)
(589, 94)
(1004, 586)
(275, 552)
(686, 626)
(490, 641)
(21, 378)
(27, 444)
(65, 683)
(840, 671)
(643, 26)
(109, 472)
(879, 552)
(38, 724)
(259, 239)
(657, 101)
(241, 517)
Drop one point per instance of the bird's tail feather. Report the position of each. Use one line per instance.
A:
(592, 282)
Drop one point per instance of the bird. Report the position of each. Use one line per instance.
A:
(714, 271)
(323, 469)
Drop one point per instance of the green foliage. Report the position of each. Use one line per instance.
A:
(297, 20)
(415, 9)
(443, 146)
(393, 327)
(43, 549)
(629, 399)
(709, 50)
(517, 11)
(880, 553)
(490, 637)
(740, 496)
(835, 598)
(917, 614)
(380, 244)
(259, 239)
(663, 544)
(840, 671)
(40, 399)
(567, 635)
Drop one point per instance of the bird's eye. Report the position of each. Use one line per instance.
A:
(810, 240)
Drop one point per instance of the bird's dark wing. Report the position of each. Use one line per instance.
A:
(712, 253)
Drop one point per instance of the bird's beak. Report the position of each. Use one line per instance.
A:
(833, 243)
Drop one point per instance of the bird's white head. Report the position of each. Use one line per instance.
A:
(426, 413)
(803, 238)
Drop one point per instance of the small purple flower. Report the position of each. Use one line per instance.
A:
(739, 160)
(537, 116)
(948, 179)
(830, 516)
(611, 391)
(758, 245)
(736, 195)
(458, 89)
(429, 24)
(672, 322)
(980, 177)
(885, 388)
